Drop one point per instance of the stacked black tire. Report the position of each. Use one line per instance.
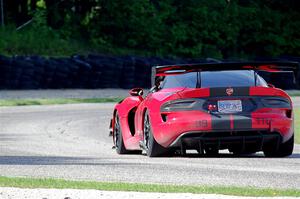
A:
(93, 71)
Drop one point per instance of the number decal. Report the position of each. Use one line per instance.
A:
(202, 124)
(263, 121)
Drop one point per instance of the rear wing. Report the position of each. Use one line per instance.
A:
(271, 66)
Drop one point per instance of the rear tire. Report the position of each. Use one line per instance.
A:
(153, 149)
(284, 149)
(118, 137)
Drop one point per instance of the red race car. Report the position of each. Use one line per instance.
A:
(207, 107)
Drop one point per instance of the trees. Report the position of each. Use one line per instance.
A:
(189, 28)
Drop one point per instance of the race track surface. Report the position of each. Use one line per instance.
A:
(71, 142)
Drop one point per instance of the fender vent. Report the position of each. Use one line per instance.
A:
(131, 115)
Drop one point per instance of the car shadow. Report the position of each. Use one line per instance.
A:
(295, 155)
(229, 155)
(62, 160)
(10, 137)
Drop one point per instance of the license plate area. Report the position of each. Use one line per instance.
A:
(230, 106)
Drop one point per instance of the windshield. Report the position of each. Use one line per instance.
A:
(211, 79)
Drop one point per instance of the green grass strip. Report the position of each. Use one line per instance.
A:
(25, 102)
(293, 93)
(110, 186)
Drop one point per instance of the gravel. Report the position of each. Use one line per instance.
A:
(17, 193)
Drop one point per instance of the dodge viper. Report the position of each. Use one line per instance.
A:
(207, 107)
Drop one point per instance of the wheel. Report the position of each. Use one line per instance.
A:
(118, 138)
(284, 149)
(153, 149)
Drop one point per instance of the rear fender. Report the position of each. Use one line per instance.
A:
(123, 109)
(152, 104)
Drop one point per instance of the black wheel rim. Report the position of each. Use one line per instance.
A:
(146, 131)
(117, 132)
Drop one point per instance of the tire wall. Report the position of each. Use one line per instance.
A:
(98, 71)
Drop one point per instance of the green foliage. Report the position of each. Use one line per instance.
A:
(29, 42)
(37, 38)
(190, 28)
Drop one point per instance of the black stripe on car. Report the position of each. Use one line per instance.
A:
(242, 122)
(220, 122)
(225, 91)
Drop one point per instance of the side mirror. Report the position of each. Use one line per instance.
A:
(271, 86)
(136, 92)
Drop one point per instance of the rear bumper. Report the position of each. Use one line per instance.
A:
(226, 140)
(179, 125)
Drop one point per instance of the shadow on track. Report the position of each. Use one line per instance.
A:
(61, 160)
(230, 155)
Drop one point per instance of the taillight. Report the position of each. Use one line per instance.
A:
(276, 102)
(178, 105)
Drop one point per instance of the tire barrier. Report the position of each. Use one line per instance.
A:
(99, 71)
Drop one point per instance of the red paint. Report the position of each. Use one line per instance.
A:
(231, 121)
(177, 123)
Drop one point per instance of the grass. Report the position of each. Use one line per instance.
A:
(24, 102)
(110, 186)
(293, 93)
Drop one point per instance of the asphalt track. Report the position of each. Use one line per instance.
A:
(71, 142)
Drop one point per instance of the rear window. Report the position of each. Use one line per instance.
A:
(234, 78)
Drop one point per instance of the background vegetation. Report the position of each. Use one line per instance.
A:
(189, 28)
